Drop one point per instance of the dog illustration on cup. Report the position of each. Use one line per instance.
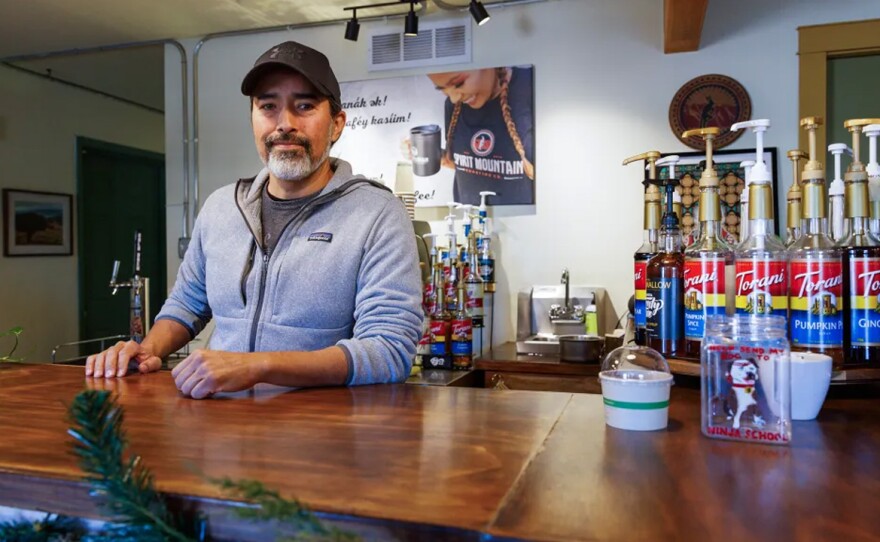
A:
(743, 377)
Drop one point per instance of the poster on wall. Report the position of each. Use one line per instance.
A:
(445, 136)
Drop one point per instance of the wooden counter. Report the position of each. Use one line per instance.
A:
(430, 463)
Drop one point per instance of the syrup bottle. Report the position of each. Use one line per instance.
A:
(651, 238)
(816, 269)
(664, 301)
(861, 262)
(761, 276)
(441, 320)
(709, 261)
(462, 331)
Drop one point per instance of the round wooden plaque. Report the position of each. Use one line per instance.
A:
(709, 100)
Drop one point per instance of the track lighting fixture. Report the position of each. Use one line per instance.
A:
(478, 11)
(411, 27)
(352, 27)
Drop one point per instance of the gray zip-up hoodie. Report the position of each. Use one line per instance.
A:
(344, 272)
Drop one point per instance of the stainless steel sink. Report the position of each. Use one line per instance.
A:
(538, 344)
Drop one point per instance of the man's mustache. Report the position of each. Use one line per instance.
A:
(302, 141)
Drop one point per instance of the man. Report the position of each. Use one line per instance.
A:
(310, 273)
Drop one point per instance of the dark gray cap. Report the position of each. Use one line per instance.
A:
(312, 64)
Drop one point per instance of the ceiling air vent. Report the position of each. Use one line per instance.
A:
(436, 44)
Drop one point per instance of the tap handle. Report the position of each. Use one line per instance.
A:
(115, 272)
(137, 252)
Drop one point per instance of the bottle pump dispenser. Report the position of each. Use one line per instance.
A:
(744, 201)
(794, 216)
(836, 191)
(761, 279)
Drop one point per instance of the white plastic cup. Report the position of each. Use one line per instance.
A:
(636, 400)
(810, 380)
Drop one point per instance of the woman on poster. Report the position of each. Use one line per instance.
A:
(490, 133)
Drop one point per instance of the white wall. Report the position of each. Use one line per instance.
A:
(39, 123)
(603, 87)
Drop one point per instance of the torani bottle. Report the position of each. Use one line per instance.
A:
(709, 261)
(815, 269)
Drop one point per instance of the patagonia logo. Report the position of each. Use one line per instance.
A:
(321, 236)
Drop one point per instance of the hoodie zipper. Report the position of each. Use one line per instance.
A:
(300, 217)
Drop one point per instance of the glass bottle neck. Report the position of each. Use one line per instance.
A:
(857, 225)
(814, 226)
(651, 235)
(761, 227)
(671, 241)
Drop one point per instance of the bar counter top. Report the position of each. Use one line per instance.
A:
(398, 462)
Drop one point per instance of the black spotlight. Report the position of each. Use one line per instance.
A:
(352, 28)
(411, 27)
(479, 12)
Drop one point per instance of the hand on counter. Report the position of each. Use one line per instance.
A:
(114, 361)
(206, 372)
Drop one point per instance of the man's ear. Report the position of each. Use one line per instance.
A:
(338, 125)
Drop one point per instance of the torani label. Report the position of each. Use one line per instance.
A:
(439, 333)
(864, 309)
(703, 293)
(474, 303)
(640, 275)
(761, 287)
(462, 337)
(816, 301)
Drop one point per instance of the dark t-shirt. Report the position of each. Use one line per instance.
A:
(483, 151)
(277, 213)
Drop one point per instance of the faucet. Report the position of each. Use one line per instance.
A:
(565, 280)
(139, 288)
(566, 311)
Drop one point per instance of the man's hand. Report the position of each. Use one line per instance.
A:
(206, 372)
(114, 361)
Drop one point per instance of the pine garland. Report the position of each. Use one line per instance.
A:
(272, 507)
(52, 528)
(128, 494)
(14, 333)
(125, 487)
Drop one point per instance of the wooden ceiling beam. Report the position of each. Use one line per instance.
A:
(683, 24)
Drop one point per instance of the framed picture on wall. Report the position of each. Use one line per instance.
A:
(731, 185)
(37, 223)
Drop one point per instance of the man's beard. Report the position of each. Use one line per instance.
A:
(294, 165)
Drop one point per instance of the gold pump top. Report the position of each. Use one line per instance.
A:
(859, 122)
(651, 157)
(709, 178)
(813, 169)
(856, 172)
(795, 155)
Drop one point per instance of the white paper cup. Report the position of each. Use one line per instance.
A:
(810, 380)
(637, 400)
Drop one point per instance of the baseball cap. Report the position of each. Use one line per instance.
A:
(312, 64)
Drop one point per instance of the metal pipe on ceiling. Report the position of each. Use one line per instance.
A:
(184, 78)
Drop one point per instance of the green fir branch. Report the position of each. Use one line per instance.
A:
(125, 487)
(14, 333)
(272, 507)
(52, 528)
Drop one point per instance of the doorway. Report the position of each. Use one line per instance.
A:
(120, 190)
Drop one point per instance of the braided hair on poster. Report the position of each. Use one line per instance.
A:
(500, 73)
